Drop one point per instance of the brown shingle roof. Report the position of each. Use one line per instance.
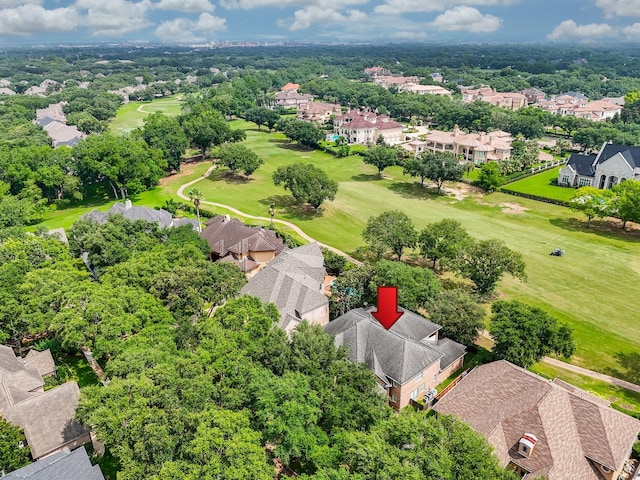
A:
(572, 429)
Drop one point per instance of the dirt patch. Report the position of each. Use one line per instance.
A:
(185, 170)
(462, 191)
(512, 208)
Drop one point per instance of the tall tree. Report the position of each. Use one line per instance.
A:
(380, 157)
(627, 202)
(238, 157)
(460, 315)
(392, 230)
(417, 287)
(524, 334)
(484, 262)
(196, 195)
(490, 176)
(306, 182)
(442, 240)
(205, 128)
(165, 133)
(593, 202)
(438, 167)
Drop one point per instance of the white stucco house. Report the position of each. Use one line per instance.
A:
(611, 165)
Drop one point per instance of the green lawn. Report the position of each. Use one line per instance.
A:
(589, 287)
(132, 115)
(601, 312)
(540, 185)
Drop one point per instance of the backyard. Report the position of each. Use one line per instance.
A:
(588, 287)
(540, 185)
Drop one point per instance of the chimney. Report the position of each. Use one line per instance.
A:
(526, 444)
(227, 218)
(127, 204)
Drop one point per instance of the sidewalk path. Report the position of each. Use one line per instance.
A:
(293, 227)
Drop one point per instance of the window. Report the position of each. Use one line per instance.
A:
(605, 469)
(414, 394)
(584, 182)
(565, 179)
(418, 377)
(435, 377)
(421, 387)
(394, 399)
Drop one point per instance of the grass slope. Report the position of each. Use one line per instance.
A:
(132, 115)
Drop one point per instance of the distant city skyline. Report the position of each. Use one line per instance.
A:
(203, 21)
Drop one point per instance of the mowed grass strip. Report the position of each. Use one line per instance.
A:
(541, 186)
(590, 287)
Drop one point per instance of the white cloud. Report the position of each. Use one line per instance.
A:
(189, 6)
(395, 7)
(466, 19)
(570, 30)
(620, 8)
(632, 32)
(33, 19)
(114, 17)
(308, 16)
(183, 30)
(16, 3)
(324, 4)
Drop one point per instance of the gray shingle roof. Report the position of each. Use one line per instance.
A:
(631, 154)
(503, 401)
(582, 164)
(399, 353)
(47, 418)
(138, 212)
(64, 465)
(294, 282)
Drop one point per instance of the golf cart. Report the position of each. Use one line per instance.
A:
(557, 252)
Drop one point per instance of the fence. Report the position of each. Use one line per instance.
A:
(534, 197)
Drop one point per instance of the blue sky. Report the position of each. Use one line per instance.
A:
(199, 21)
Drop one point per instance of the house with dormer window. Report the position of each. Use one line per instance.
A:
(541, 428)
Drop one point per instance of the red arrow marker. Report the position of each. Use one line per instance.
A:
(387, 313)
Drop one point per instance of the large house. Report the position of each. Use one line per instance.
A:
(364, 128)
(478, 148)
(611, 165)
(510, 100)
(288, 97)
(161, 217)
(47, 417)
(53, 120)
(318, 112)
(64, 465)
(542, 429)
(408, 359)
(424, 89)
(231, 240)
(293, 281)
(577, 105)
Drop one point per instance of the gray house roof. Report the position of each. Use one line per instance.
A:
(585, 165)
(131, 212)
(64, 465)
(397, 354)
(294, 282)
(47, 418)
(582, 164)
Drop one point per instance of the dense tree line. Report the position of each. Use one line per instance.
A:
(195, 394)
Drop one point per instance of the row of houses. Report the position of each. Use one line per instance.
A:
(54, 121)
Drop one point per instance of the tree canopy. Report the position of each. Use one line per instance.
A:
(438, 167)
(306, 182)
(381, 157)
(236, 156)
(524, 334)
(392, 230)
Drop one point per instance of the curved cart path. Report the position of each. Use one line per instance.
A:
(292, 226)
